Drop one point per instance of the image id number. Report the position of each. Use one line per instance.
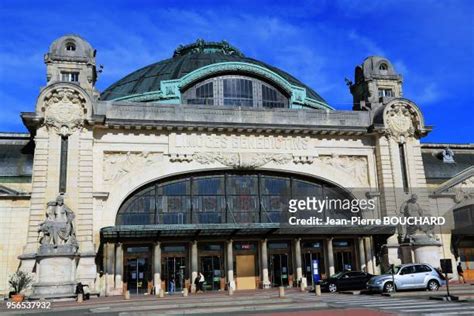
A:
(29, 305)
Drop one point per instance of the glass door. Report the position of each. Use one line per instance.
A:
(279, 269)
(136, 271)
(307, 261)
(343, 261)
(212, 270)
(173, 269)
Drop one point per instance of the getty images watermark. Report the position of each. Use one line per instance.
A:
(327, 211)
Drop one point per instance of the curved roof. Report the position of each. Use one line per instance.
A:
(185, 60)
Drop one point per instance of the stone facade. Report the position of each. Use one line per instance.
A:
(116, 147)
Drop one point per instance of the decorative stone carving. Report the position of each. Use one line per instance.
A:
(464, 190)
(58, 228)
(64, 110)
(401, 120)
(355, 166)
(448, 155)
(303, 159)
(181, 158)
(242, 160)
(118, 164)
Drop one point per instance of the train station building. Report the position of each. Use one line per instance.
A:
(188, 165)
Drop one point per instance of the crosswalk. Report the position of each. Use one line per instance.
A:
(401, 305)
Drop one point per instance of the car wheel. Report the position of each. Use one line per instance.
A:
(433, 285)
(388, 287)
(332, 288)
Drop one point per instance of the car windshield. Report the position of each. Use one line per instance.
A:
(395, 270)
(337, 275)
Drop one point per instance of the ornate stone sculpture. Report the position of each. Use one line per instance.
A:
(448, 155)
(64, 110)
(118, 164)
(58, 228)
(355, 166)
(411, 208)
(401, 120)
(242, 160)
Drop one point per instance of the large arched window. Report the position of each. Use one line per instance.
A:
(232, 90)
(225, 197)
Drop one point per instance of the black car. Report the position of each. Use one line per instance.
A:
(348, 280)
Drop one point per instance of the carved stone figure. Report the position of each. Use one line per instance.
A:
(411, 208)
(58, 228)
(118, 164)
(448, 155)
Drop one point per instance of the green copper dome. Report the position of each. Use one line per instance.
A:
(192, 63)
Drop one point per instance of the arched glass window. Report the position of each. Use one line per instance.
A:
(226, 197)
(234, 90)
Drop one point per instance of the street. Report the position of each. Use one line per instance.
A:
(258, 303)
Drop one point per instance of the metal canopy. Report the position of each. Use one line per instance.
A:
(232, 230)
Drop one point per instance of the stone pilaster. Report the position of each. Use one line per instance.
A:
(370, 260)
(330, 256)
(230, 265)
(299, 269)
(265, 278)
(157, 267)
(119, 267)
(110, 269)
(362, 258)
(194, 265)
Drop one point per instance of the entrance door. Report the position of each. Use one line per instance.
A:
(467, 262)
(212, 270)
(136, 271)
(343, 261)
(245, 268)
(279, 269)
(173, 269)
(308, 265)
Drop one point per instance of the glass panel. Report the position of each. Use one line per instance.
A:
(238, 92)
(275, 193)
(272, 98)
(204, 95)
(232, 198)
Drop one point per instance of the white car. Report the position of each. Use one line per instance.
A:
(408, 277)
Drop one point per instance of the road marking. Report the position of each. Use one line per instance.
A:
(434, 309)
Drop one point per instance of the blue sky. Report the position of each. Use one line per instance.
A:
(431, 43)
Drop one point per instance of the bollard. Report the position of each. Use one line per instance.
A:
(162, 293)
(318, 290)
(303, 285)
(127, 295)
(80, 297)
(231, 291)
(185, 292)
(281, 292)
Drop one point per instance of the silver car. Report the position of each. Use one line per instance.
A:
(407, 277)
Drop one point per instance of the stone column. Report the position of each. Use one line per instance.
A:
(362, 263)
(119, 267)
(230, 265)
(194, 265)
(299, 269)
(109, 268)
(330, 256)
(157, 267)
(370, 255)
(265, 278)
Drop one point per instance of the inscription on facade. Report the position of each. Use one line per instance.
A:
(241, 142)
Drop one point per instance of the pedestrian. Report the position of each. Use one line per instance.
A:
(461, 273)
(201, 282)
(172, 285)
